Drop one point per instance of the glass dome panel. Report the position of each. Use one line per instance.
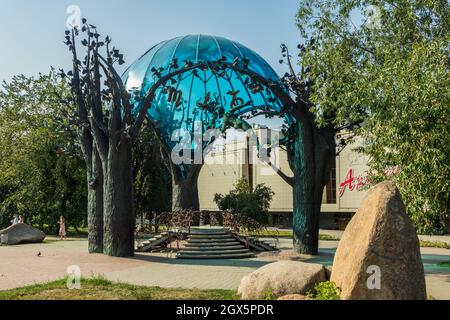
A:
(137, 71)
(208, 49)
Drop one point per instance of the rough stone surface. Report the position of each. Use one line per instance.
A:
(380, 235)
(328, 273)
(281, 278)
(293, 297)
(21, 233)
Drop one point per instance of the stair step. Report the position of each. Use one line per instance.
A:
(209, 248)
(153, 243)
(221, 256)
(212, 244)
(149, 241)
(214, 252)
(211, 240)
(210, 236)
(147, 248)
(208, 231)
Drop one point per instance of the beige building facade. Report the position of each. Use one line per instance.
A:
(230, 161)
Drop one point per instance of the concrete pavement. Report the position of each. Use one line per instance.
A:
(20, 266)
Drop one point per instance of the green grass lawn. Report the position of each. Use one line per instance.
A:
(289, 234)
(101, 289)
(434, 244)
(445, 264)
(327, 237)
(269, 233)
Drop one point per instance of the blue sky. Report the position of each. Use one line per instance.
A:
(32, 32)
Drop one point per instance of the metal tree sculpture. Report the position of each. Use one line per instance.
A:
(206, 91)
(107, 128)
(112, 115)
(310, 147)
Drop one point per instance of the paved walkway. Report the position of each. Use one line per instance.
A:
(20, 266)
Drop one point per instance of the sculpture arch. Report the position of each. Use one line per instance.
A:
(198, 68)
(205, 83)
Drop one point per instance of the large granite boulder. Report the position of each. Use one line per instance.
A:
(281, 278)
(378, 257)
(21, 233)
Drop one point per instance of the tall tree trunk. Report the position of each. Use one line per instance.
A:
(95, 204)
(310, 161)
(94, 174)
(119, 219)
(185, 195)
(305, 215)
(305, 218)
(185, 188)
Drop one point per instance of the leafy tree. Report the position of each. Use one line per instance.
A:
(243, 202)
(41, 169)
(388, 72)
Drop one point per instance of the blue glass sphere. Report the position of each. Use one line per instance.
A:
(187, 104)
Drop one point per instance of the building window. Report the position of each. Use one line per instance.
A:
(331, 185)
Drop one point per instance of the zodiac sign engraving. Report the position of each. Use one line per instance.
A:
(175, 96)
(235, 101)
(205, 105)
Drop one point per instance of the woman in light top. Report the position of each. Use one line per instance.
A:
(62, 228)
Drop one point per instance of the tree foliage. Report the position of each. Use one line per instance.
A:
(388, 71)
(152, 180)
(42, 175)
(244, 202)
(42, 170)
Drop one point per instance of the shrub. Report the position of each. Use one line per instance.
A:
(325, 291)
(268, 295)
(245, 203)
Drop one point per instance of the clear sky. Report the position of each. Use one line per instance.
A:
(32, 31)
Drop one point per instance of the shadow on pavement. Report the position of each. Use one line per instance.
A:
(249, 263)
(325, 257)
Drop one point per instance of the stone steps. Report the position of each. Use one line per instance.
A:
(211, 236)
(216, 243)
(213, 244)
(209, 231)
(208, 240)
(182, 255)
(210, 248)
(215, 252)
(154, 242)
(214, 233)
